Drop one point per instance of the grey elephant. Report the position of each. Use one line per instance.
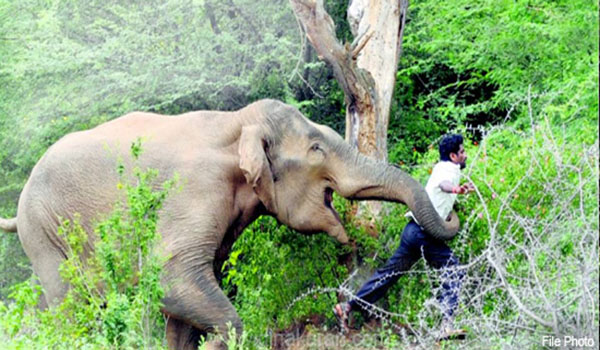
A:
(266, 158)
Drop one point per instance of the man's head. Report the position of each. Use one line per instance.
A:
(452, 150)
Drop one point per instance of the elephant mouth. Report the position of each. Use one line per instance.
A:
(328, 200)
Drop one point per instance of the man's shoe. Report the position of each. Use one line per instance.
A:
(448, 332)
(341, 312)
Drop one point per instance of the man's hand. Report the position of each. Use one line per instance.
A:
(464, 188)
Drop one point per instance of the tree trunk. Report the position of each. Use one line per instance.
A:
(365, 69)
(210, 13)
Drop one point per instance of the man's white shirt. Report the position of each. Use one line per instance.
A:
(442, 201)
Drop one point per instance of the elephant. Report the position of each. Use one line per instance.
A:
(264, 159)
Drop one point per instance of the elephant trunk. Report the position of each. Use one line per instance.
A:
(368, 179)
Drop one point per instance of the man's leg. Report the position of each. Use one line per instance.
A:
(452, 276)
(403, 258)
(440, 256)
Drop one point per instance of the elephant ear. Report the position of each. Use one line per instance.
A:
(255, 165)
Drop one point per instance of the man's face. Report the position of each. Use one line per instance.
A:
(460, 157)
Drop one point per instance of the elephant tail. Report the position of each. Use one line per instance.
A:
(8, 225)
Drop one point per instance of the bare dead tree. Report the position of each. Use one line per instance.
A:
(365, 69)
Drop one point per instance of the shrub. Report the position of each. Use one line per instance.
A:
(272, 271)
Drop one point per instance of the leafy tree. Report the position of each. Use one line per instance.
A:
(471, 63)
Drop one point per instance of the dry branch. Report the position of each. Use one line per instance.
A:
(320, 30)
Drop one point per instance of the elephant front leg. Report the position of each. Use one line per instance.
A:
(198, 305)
(182, 336)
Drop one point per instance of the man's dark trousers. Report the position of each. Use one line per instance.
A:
(415, 243)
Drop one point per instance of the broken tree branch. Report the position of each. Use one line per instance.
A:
(320, 30)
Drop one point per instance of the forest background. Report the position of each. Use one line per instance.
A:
(518, 78)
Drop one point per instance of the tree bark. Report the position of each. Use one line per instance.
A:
(366, 68)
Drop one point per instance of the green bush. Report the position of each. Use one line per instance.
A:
(276, 276)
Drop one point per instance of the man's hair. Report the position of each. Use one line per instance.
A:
(450, 144)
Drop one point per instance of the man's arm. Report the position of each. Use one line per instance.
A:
(448, 187)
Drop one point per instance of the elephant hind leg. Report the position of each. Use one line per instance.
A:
(46, 251)
(54, 288)
(46, 259)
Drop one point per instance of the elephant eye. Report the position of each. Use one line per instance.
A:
(316, 154)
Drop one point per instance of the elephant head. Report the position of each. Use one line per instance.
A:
(295, 166)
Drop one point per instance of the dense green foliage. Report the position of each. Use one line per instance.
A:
(471, 63)
(518, 78)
